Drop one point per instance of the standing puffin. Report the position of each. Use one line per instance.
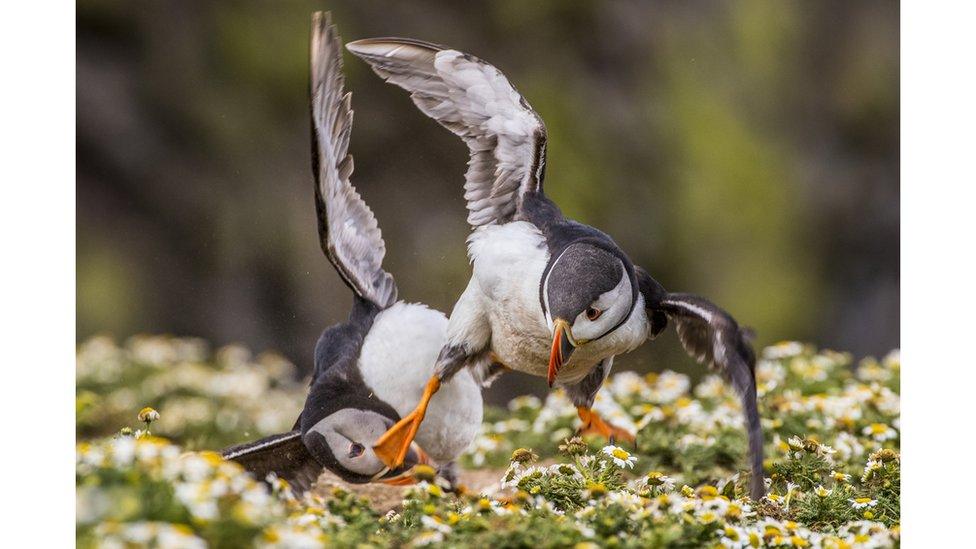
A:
(548, 296)
(372, 369)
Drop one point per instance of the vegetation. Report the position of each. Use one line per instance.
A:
(833, 467)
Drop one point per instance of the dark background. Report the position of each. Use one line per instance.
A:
(746, 151)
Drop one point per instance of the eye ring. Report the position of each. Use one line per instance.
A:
(356, 450)
(592, 313)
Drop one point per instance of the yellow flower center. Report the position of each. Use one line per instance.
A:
(620, 453)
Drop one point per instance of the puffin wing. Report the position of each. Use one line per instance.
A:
(348, 231)
(506, 138)
(284, 455)
(713, 337)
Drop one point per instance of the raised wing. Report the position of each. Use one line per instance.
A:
(506, 138)
(348, 230)
(712, 337)
(284, 455)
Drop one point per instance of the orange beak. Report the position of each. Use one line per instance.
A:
(415, 456)
(562, 348)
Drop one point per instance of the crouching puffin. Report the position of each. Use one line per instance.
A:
(548, 296)
(372, 369)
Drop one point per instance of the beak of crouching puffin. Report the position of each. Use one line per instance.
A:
(563, 346)
(403, 475)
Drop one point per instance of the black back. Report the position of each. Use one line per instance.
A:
(336, 381)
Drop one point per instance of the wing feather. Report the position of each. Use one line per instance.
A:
(348, 231)
(284, 455)
(505, 137)
(713, 337)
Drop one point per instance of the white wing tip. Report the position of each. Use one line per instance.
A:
(397, 48)
(366, 47)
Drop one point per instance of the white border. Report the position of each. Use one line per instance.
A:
(37, 289)
(37, 231)
(938, 270)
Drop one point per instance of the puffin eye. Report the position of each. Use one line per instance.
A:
(356, 449)
(593, 313)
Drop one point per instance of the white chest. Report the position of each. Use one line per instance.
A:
(398, 358)
(508, 262)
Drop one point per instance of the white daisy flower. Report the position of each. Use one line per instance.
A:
(862, 503)
(880, 432)
(621, 458)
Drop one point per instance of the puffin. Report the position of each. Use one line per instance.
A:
(548, 296)
(370, 370)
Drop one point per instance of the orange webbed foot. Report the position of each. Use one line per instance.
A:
(594, 424)
(392, 447)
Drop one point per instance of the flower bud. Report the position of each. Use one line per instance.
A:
(148, 415)
(523, 455)
(573, 447)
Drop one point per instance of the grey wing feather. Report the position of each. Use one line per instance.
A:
(713, 337)
(348, 231)
(506, 138)
(284, 455)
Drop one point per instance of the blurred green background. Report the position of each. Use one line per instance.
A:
(747, 151)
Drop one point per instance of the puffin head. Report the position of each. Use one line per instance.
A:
(587, 293)
(342, 442)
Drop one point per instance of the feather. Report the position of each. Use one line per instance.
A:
(348, 231)
(284, 455)
(505, 137)
(712, 337)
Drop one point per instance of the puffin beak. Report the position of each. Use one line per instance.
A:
(403, 475)
(416, 456)
(562, 347)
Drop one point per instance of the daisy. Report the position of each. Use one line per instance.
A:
(621, 458)
(879, 432)
(435, 524)
(427, 538)
(862, 503)
(657, 478)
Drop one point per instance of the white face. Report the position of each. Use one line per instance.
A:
(605, 312)
(350, 435)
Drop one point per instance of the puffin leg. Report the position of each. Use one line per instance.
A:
(392, 446)
(449, 472)
(594, 424)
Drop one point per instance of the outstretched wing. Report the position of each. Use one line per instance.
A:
(506, 138)
(348, 231)
(712, 337)
(284, 455)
